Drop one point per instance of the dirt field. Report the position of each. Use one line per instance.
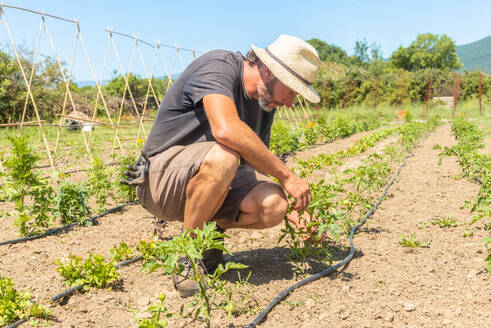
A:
(385, 285)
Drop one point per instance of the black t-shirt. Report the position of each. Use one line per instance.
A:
(181, 119)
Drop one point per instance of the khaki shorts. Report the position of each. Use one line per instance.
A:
(164, 192)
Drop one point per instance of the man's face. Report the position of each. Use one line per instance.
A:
(274, 94)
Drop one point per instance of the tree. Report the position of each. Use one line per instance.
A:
(328, 52)
(427, 51)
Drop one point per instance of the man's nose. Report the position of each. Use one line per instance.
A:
(289, 100)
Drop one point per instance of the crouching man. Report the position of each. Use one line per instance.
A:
(207, 153)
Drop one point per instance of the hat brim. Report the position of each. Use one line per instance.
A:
(287, 78)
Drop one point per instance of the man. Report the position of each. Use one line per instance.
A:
(211, 135)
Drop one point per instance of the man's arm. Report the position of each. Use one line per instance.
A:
(229, 130)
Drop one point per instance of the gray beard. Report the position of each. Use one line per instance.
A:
(263, 103)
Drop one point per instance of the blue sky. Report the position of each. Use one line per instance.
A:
(234, 25)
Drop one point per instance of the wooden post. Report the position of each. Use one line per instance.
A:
(480, 93)
(428, 94)
(456, 94)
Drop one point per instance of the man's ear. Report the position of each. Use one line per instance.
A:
(266, 74)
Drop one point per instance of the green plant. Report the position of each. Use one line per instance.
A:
(487, 240)
(15, 305)
(475, 165)
(125, 193)
(294, 304)
(423, 225)
(214, 293)
(71, 203)
(156, 310)
(445, 222)
(93, 272)
(412, 241)
(99, 184)
(37, 216)
(309, 241)
(121, 253)
(283, 140)
(310, 133)
(31, 194)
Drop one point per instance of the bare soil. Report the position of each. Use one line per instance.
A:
(385, 285)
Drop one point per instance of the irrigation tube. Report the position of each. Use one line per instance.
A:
(66, 227)
(74, 289)
(324, 272)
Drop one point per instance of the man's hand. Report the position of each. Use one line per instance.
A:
(137, 173)
(299, 189)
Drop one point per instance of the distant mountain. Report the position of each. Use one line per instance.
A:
(476, 55)
(91, 83)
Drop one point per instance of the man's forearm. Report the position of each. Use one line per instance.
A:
(245, 142)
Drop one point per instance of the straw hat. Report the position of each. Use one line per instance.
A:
(294, 62)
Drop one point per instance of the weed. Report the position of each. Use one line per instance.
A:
(424, 225)
(294, 304)
(445, 222)
(412, 242)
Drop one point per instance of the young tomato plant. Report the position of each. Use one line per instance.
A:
(309, 242)
(156, 310)
(71, 203)
(214, 293)
(125, 193)
(31, 194)
(99, 184)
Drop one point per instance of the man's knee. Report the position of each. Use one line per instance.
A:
(274, 208)
(221, 160)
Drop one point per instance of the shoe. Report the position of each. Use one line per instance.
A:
(184, 284)
(213, 257)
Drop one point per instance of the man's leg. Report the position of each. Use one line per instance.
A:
(208, 188)
(265, 206)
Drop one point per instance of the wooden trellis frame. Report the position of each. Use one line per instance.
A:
(68, 99)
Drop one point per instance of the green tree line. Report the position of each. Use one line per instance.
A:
(49, 89)
(364, 78)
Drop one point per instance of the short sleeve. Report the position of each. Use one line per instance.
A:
(215, 77)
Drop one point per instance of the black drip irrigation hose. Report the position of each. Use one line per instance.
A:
(324, 272)
(477, 180)
(63, 228)
(74, 289)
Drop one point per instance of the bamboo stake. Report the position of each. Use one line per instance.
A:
(66, 93)
(45, 141)
(67, 83)
(99, 90)
(31, 123)
(32, 69)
